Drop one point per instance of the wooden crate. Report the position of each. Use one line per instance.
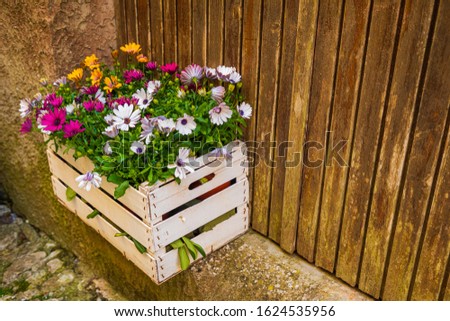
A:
(143, 212)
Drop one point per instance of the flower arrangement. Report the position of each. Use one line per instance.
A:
(141, 121)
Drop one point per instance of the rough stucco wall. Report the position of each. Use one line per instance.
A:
(47, 39)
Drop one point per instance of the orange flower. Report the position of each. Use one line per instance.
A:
(91, 62)
(115, 54)
(111, 84)
(76, 75)
(96, 76)
(131, 48)
(141, 58)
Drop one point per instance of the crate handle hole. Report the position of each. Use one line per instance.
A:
(201, 181)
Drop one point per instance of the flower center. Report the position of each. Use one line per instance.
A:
(89, 176)
(126, 121)
(184, 121)
(217, 110)
(57, 121)
(241, 112)
(145, 101)
(180, 163)
(139, 150)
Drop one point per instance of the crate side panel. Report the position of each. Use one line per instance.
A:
(143, 261)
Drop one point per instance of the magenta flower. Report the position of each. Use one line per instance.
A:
(89, 105)
(54, 120)
(72, 128)
(26, 126)
(170, 68)
(53, 100)
(152, 65)
(191, 74)
(132, 75)
(99, 106)
(89, 90)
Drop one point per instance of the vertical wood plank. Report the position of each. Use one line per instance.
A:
(267, 106)
(447, 290)
(170, 30)
(422, 164)
(199, 27)
(215, 35)
(233, 29)
(324, 69)
(157, 30)
(143, 23)
(302, 77)
(130, 11)
(121, 31)
(436, 245)
(374, 88)
(345, 104)
(251, 39)
(399, 117)
(184, 32)
(283, 111)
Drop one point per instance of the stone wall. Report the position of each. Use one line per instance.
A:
(47, 39)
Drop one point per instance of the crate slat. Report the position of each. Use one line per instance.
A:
(198, 215)
(144, 261)
(133, 199)
(102, 202)
(159, 208)
(221, 234)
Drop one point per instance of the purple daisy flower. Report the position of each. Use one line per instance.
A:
(170, 68)
(54, 120)
(152, 65)
(72, 128)
(26, 126)
(132, 75)
(191, 74)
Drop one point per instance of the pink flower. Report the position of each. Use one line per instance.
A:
(53, 100)
(217, 93)
(191, 74)
(99, 106)
(132, 75)
(89, 90)
(89, 105)
(54, 120)
(72, 128)
(152, 65)
(169, 68)
(26, 126)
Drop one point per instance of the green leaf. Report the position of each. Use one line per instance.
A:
(70, 194)
(114, 178)
(93, 214)
(190, 247)
(141, 248)
(199, 248)
(121, 189)
(184, 258)
(120, 234)
(177, 244)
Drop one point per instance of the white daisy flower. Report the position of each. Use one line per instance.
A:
(224, 72)
(88, 180)
(221, 153)
(109, 119)
(245, 110)
(186, 124)
(166, 125)
(70, 108)
(99, 96)
(143, 98)
(191, 74)
(181, 165)
(210, 73)
(147, 130)
(138, 148)
(111, 131)
(181, 93)
(39, 120)
(220, 114)
(125, 118)
(153, 87)
(217, 93)
(234, 77)
(107, 150)
(25, 107)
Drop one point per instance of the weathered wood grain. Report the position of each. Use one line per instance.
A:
(422, 164)
(302, 77)
(401, 107)
(325, 57)
(199, 27)
(121, 26)
(232, 34)
(184, 29)
(170, 30)
(157, 31)
(215, 35)
(344, 109)
(283, 110)
(435, 251)
(374, 88)
(130, 11)
(143, 25)
(267, 106)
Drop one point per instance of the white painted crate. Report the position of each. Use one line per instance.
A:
(140, 212)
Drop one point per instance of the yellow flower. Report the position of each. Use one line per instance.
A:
(131, 48)
(111, 84)
(141, 58)
(115, 54)
(96, 76)
(91, 62)
(76, 75)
